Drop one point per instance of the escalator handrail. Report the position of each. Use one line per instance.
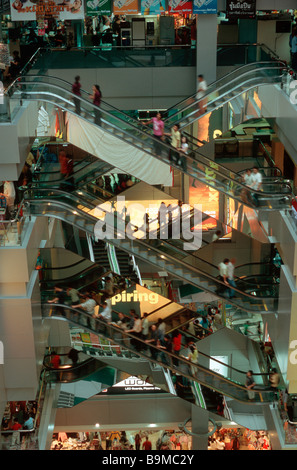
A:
(262, 194)
(198, 271)
(185, 361)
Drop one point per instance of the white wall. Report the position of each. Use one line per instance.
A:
(136, 88)
(279, 43)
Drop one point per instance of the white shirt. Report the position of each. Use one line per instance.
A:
(256, 180)
(202, 87)
(8, 189)
(223, 269)
(106, 312)
(248, 180)
(89, 306)
(230, 271)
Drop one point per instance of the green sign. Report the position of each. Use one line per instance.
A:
(99, 7)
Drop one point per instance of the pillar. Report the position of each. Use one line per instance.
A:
(199, 426)
(206, 48)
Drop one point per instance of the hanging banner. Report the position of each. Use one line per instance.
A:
(240, 9)
(125, 7)
(26, 10)
(99, 7)
(4, 55)
(202, 7)
(180, 6)
(153, 7)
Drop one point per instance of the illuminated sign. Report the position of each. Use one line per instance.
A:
(151, 297)
(132, 385)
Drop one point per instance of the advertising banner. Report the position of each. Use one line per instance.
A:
(180, 6)
(99, 7)
(152, 7)
(205, 7)
(240, 9)
(125, 7)
(28, 10)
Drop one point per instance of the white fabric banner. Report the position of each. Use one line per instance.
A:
(26, 10)
(118, 153)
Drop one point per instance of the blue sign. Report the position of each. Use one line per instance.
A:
(208, 7)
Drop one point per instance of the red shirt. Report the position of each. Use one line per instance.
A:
(76, 88)
(147, 445)
(55, 361)
(16, 426)
(97, 98)
(177, 342)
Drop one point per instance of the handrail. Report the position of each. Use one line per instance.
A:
(141, 242)
(115, 329)
(168, 147)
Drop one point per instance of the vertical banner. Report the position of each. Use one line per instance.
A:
(202, 7)
(241, 9)
(125, 7)
(180, 6)
(99, 7)
(27, 10)
(152, 7)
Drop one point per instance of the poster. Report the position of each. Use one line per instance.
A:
(205, 7)
(180, 6)
(241, 9)
(152, 7)
(27, 10)
(99, 7)
(125, 7)
(4, 55)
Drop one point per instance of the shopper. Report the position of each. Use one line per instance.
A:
(250, 384)
(73, 356)
(96, 98)
(76, 91)
(55, 360)
(88, 306)
(158, 131)
(60, 297)
(230, 276)
(74, 295)
(274, 379)
(136, 331)
(145, 326)
(161, 328)
(175, 142)
(294, 50)
(200, 96)
(147, 445)
(256, 184)
(222, 276)
(166, 347)
(176, 341)
(137, 440)
(216, 235)
(9, 193)
(153, 341)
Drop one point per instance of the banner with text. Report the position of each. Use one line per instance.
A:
(152, 7)
(202, 7)
(26, 10)
(125, 7)
(99, 7)
(240, 9)
(180, 6)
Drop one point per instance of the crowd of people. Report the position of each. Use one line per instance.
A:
(22, 417)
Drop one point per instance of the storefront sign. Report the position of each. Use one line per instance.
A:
(180, 6)
(101, 7)
(152, 7)
(132, 385)
(240, 9)
(208, 7)
(125, 7)
(22, 10)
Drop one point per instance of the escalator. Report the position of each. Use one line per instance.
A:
(67, 373)
(177, 364)
(88, 169)
(224, 90)
(170, 254)
(137, 145)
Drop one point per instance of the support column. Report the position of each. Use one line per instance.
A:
(199, 426)
(206, 48)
